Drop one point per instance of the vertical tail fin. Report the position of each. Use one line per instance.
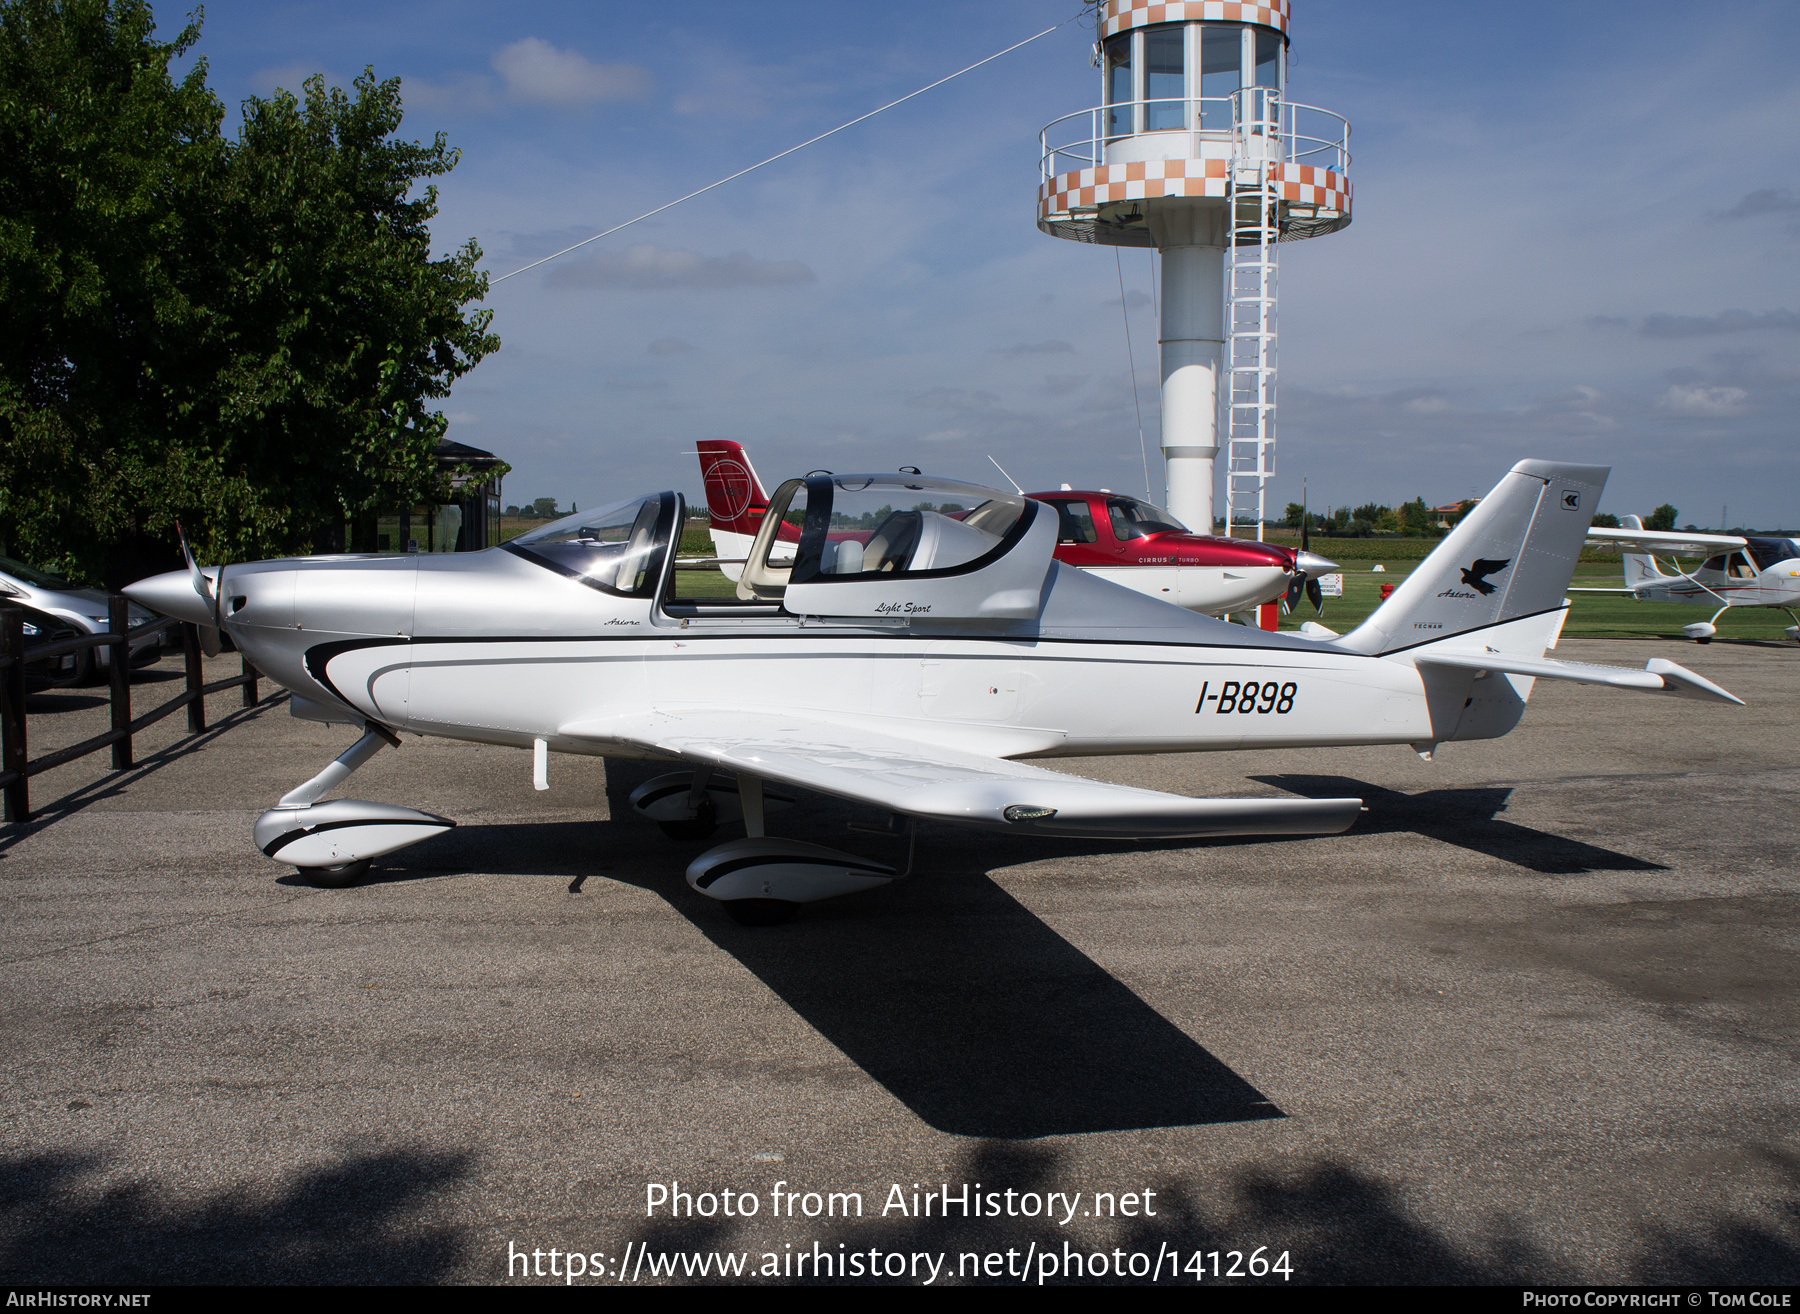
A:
(1639, 568)
(734, 495)
(1511, 557)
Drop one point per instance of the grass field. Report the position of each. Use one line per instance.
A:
(1591, 616)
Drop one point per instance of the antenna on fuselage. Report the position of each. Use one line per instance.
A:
(1009, 478)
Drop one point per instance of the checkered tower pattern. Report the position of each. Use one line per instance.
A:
(1123, 15)
(1302, 184)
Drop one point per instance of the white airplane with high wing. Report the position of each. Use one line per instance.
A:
(1738, 572)
(918, 662)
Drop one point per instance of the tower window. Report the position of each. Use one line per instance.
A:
(1164, 83)
(1118, 86)
(1221, 73)
(1268, 58)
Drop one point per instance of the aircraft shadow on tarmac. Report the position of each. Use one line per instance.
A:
(958, 999)
(1466, 818)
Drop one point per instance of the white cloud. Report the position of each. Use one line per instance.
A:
(1726, 321)
(469, 92)
(649, 268)
(290, 77)
(1706, 402)
(537, 72)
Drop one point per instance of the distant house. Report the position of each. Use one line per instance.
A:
(1446, 515)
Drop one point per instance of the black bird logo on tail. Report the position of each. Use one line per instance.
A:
(1476, 574)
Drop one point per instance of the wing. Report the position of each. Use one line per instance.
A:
(946, 784)
(1657, 540)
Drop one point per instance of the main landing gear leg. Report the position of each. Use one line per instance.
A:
(333, 843)
(1793, 631)
(750, 790)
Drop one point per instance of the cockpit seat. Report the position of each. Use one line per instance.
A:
(893, 542)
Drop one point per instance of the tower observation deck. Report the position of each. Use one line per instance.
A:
(1195, 150)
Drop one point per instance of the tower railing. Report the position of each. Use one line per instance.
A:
(1307, 134)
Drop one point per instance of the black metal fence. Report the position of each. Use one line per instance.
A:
(17, 767)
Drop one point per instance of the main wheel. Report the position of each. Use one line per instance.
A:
(761, 912)
(336, 878)
(697, 827)
(1705, 640)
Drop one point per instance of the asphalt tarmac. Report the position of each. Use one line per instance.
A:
(1532, 1020)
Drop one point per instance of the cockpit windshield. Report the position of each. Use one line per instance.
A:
(1773, 551)
(1134, 519)
(618, 549)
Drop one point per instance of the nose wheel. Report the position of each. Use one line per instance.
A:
(760, 912)
(336, 878)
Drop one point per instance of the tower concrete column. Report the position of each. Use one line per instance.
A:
(1191, 234)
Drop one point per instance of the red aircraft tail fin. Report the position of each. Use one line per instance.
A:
(734, 495)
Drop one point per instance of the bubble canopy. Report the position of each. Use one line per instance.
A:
(880, 526)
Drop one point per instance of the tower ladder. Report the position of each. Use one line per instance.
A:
(1251, 275)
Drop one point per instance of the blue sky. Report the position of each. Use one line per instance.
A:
(1576, 236)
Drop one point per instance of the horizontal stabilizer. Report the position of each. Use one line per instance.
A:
(946, 784)
(1658, 675)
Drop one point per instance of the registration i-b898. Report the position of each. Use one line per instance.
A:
(1247, 697)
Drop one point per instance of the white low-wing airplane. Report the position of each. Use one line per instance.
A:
(911, 668)
(1738, 572)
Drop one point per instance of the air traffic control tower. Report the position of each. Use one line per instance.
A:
(1196, 150)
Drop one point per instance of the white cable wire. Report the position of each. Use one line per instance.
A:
(1131, 359)
(789, 151)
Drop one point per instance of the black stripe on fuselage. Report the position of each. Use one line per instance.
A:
(318, 659)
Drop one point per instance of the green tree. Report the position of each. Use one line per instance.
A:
(1293, 514)
(544, 508)
(107, 163)
(244, 335)
(1661, 518)
(1416, 518)
(1605, 520)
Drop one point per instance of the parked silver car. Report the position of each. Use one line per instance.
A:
(84, 609)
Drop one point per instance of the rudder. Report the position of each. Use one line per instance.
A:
(1511, 557)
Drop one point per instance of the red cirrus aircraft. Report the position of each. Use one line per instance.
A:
(1118, 538)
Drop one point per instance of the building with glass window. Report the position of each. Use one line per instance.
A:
(1196, 150)
(468, 521)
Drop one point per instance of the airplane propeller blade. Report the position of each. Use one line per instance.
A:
(210, 642)
(1316, 596)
